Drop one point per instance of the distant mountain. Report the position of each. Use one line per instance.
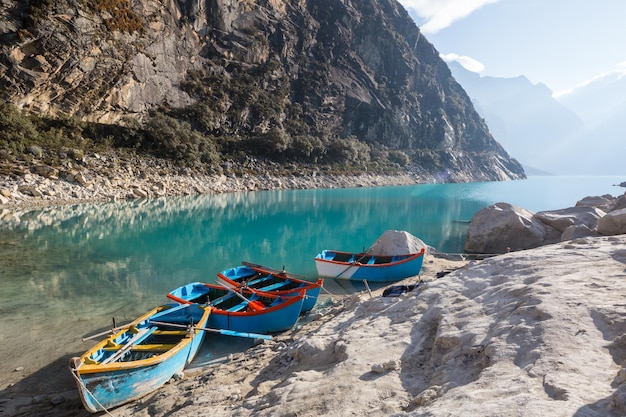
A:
(601, 104)
(581, 132)
(599, 100)
(528, 122)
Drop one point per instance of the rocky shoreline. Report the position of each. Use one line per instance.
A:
(105, 178)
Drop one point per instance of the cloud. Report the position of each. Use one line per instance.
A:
(610, 76)
(439, 14)
(467, 62)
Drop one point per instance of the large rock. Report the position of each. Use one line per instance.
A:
(620, 203)
(614, 223)
(562, 219)
(503, 227)
(396, 242)
(604, 202)
(576, 231)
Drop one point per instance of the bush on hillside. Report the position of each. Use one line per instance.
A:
(167, 137)
(348, 149)
(17, 132)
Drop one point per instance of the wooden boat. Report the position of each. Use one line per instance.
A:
(243, 310)
(139, 357)
(363, 266)
(280, 282)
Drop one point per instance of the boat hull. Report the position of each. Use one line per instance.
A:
(279, 313)
(281, 283)
(359, 267)
(103, 386)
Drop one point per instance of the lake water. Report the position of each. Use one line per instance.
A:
(68, 271)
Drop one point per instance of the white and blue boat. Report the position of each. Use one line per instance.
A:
(140, 357)
(364, 266)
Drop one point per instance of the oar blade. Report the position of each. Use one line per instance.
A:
(244, 334)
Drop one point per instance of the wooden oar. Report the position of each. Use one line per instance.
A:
(253, 305)
(112, 330)
(138, 338)
(221, 331)
(272, 270)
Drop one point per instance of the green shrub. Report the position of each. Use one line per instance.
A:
(348, 149)
(307, 148)
(17, 132)
(399, 157)
(169, 138)
(275, 141)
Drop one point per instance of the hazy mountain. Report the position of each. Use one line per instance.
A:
(601, 103)
(524, 117)
(599, 100)
(578, 133)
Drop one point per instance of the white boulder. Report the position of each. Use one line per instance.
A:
(504, 227)
(562, 219)
(613, 223)
(396, 242)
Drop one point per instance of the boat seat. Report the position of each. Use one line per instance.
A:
(136, 339)
(274, 286)
(170, 332)
(371, 260)
(238, 307)
(156, 347)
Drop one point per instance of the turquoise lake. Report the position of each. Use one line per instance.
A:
(69, 270)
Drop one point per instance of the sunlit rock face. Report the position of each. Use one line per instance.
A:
(330, 67)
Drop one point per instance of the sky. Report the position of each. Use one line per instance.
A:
(560, 43)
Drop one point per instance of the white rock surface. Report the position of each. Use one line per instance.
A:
(396, 242)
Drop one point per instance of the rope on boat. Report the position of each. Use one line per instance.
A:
(327, 292)
(368, 287)
(90, 393)
(464, 256)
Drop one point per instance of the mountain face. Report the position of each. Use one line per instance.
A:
(327, 69)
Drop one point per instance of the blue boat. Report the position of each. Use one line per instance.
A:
(363, 266)
(140, 357)
(280, 282)
(243, 310)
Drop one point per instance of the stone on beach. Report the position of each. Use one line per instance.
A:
(396, 242)
(614, 223)
(503, 227)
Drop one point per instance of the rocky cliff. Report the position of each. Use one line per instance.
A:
(322, 70)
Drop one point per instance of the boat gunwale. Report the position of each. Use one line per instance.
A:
(409, 257)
